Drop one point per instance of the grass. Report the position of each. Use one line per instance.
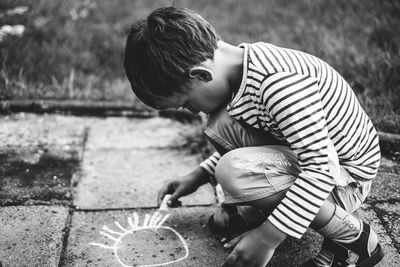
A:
(74, 49)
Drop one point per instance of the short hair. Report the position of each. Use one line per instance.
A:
(161, 49)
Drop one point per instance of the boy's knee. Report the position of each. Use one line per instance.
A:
(228, 173)
(242, 178)
(251, 173)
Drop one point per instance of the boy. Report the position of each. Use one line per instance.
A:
(328, 150)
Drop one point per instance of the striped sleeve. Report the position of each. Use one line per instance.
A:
(294, 104)
(210, 163)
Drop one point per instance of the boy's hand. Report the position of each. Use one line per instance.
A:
(177, 188)
(182, 186)
(255, 247)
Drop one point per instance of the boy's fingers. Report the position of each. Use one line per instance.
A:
(167, 188)
(170, 188)
(175, 204)
(230, 261)
(233, 242)
(173, 201)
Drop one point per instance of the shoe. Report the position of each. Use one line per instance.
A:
(356, 254)
(231, 220)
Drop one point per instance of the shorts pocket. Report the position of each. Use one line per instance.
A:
(279, 181)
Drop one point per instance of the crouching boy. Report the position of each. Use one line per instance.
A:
(294, 145)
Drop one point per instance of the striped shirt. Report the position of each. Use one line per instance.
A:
(303, 101)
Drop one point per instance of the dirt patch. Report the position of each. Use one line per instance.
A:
(390, 150)
(46, 179)
(390, 145)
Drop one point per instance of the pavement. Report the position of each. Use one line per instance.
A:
(72, 188)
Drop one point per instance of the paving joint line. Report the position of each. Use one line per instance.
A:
(84, 141)
(46, 204)
(65, 237)
(72, 208)
(167, 147)
(140, 208)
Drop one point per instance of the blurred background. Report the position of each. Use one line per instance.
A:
(73, 50)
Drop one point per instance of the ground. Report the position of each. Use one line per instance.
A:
(63, 178)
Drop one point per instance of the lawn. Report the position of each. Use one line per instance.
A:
(74, 49)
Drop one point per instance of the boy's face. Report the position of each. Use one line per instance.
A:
(206, 95)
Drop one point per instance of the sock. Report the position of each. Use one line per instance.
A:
(342, 227)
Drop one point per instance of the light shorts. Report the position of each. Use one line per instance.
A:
(251, 168)
(250, 173)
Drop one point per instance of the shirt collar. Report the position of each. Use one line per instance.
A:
(237, 96)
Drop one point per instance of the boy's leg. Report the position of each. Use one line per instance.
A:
(348, 198)
(255, 177)
(226, 134)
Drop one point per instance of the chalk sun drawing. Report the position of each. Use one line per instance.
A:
(151, 223)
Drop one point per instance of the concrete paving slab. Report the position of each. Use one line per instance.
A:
(392, 256)
(149, 247)
(126, 133)
(385, 186)
(31, 235)
(29, 175)
(204, 247)
(24, 129)
(390, 215)
(39, 154)
(132, 178)
(146, 247)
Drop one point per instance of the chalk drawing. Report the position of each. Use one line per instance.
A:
(153, 223)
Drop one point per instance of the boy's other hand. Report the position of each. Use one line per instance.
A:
(254, 248)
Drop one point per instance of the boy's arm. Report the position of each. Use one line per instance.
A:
(189, 183)
(294, 104)
(182, 186)
(209, 165)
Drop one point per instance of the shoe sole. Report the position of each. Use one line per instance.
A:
(216, 229)
(375, 257)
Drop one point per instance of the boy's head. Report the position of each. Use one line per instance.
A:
(161, 51)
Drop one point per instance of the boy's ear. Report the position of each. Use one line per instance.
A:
(201, 73)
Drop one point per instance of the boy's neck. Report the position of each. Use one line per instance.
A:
(230, 59)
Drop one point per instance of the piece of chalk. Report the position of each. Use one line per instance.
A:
(164, 205)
